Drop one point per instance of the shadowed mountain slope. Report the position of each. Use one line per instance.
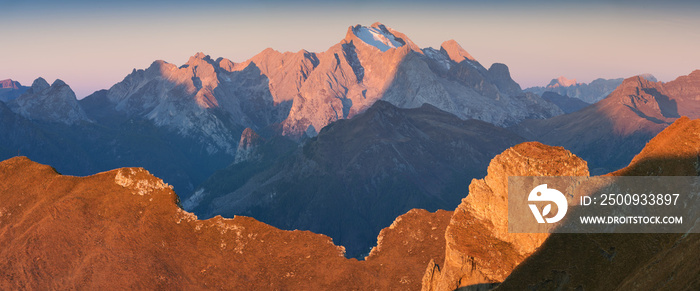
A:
(358, 174)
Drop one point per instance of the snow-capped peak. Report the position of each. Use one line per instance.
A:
(562, 82)
(378, 36)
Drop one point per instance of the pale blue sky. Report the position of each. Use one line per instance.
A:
(94, 44)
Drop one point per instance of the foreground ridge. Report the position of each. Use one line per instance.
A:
(123, 229)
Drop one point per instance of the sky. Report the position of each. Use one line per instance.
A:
(92, 45)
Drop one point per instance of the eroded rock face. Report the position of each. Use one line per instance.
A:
(198, 100)
(408, 243)
(479, 248)
(250, 140)
(662, 261)
(122, 229)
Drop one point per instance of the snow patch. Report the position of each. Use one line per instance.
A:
(438, 57)
(377, 38)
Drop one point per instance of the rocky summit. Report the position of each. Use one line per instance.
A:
(479, 248)
(625, 261)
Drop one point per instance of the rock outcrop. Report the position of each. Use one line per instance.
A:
(673, 152)
(661, 261)
(479, 248)
(250, 140)
(404, 248)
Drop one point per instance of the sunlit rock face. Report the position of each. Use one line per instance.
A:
(123, 229)
(479, 248)
(629, 261)
(378, 63)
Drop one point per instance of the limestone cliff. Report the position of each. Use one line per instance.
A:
(479, 248)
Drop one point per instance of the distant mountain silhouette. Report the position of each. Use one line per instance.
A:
(590, 93)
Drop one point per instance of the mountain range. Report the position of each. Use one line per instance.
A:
(565, 103)
(610, 132)
(410, 156)
(590, 93)
(202, 107)
(186, 122)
